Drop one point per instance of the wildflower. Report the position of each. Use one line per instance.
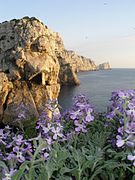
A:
(2, 136)
(75, 114)
(122, 110)
(80, 127)
(47, 129)
(57, 132)
(18, 139)
(120, 142)
(131, 158)
(89, 117)
(19, 154)
(9, 174)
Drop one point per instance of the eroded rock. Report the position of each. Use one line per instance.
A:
(33, 64)
(29, 63)
(20, 105)
(5, 88)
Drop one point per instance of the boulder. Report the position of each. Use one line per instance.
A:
(20, 106)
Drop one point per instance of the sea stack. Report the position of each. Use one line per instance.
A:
(104, 66)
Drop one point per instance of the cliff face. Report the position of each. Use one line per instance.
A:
(104, 66)
(33, 64)
(70, 63)
(29, 68)
(80, 63)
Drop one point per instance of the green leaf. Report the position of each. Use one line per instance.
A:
(20, 173)
(4, 166)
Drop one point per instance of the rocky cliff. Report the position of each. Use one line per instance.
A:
(104, 66)
(29, 68)
(33, 64)
(80, 63)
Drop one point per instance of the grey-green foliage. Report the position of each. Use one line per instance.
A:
(86, 157)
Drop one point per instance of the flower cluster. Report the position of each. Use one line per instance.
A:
(49, 130)
(51, 126)
(122, 109)
(80, 115)
(14, 146)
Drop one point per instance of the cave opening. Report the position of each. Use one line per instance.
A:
(40, 79)
(37, 79)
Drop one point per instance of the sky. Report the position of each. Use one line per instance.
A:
(102, 30)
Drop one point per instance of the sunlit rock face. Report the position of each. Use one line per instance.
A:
(29, 68)
(80, 63)
(33, 64)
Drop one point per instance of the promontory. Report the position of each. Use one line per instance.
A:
(33, 65)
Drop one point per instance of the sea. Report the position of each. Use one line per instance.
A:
(98, 86)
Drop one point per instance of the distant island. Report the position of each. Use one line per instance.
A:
(104, 66)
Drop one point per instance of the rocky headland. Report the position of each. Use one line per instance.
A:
(104, 66)
(33, 65)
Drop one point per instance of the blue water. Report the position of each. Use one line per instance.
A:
(98, 86)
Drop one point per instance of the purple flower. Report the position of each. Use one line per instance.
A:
(19, 154)
(45, 155)
(79, 116)
(131, 112)
(18, 139)
(9, 174)
(131, 157)
(111, 115)
(27, 148)
(47, 129)
(10, 156)
(75, 114)
(2, 136)
(130, 144)
(122, 95)
(57, 132)
(119, 142)
(89, 117)
(80, 127)
(49, 140)
(121, 130)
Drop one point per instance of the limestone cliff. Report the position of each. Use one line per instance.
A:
(33, 64)
(104, 66)
(29, 68)
(80, 63)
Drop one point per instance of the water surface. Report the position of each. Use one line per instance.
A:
(98, 86)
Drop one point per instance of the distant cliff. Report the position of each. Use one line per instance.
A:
(104, 66)
(79, 63)
(70, 63)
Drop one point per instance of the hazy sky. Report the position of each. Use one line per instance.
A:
(103, 30)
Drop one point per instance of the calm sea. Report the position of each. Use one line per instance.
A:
(98, 86)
